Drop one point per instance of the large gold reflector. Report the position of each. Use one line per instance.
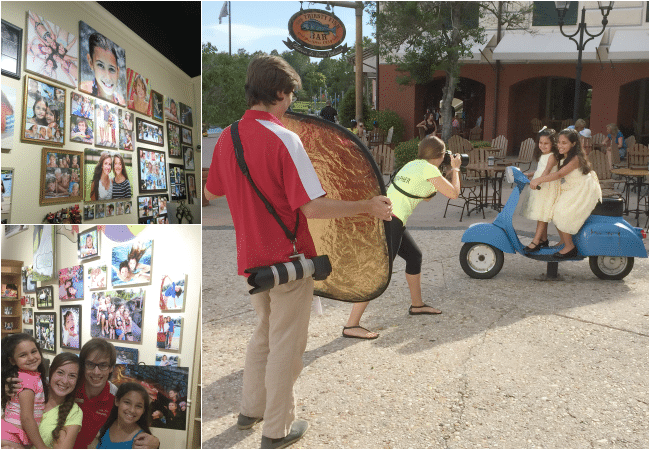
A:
(357, 246)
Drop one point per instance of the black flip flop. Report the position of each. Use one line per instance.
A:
(358, 337)
(423, 312)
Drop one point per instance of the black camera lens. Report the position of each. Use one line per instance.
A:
(464, 159)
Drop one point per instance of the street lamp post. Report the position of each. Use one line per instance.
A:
(562, 8)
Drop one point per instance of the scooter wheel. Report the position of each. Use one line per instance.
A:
(480, 260)
(611, 267)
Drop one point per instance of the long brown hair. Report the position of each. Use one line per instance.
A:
(64, 408)
(576, 151)
(552, 135)
(94, 187)
(145, 418)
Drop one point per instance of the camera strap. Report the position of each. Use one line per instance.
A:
(239, 154)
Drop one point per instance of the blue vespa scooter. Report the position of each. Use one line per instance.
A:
(606, 238)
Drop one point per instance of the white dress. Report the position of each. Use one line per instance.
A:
(539, 205)
(578, 197)
(105, 194)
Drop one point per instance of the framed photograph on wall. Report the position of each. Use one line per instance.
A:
(43, 244)
(126, 119)
(97, 276)
(177, 181)
(52, 52)
(138, 92)
(8, 116)
(12, 44)
(45, 328)
(128, 303)
(88, 244)
(174, 140)
(186, 136)
(169, 332)
(89, 212)
(157, 105)
(126, 355)
(152, 171)
(172, 292)
(103, 73)
(171, 110)
(191, 188)
(81, 130)
(99, 211)
(188, 157)
(145, 207)
(71, 283)
(7, 189)
(163, 359)
(148, 132)
(82, 105)
(108, 175)
(43, 112)
(70, 326)
(131, 263)
(126, 140)
(106, 124)
(28, 316)
(29, 285)
(61, 176)
(45, 297)
(186, 115)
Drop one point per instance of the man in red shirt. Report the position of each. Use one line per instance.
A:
(282, 171)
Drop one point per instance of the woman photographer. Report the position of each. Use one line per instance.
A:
(418, 180)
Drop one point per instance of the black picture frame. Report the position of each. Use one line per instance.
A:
(66, 341)
(157, 106)
(174, 140)
(178, 190)
(186, 136)
(152, 182)
(45, 331)
(12, 44)
(45, 297)
(142, 126)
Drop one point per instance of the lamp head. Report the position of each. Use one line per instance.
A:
(605, 7)
(561, 8)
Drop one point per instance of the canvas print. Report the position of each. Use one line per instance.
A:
(88, 243)
(144, 206)
(108, 175)
(167, 388)
(12, 45)
(71, 283)
(102, 66)
(7, 189)
(177, 181)
(127, 207)
(81, 130)
(44, 297)
(126, 140)
(131, 263)
(43, 245)
(99, 211)
(156, 105)
(28, 316)
(152, 171)
(52, 52)
(148, 132)
(126, 355)
(110, 209)
(171, 110)
(186, 136)
(172, 292)
(71, 327)
(61, 176)
(97, 276)
(82, 105)
(119, 208)
(169, 332)
(43, 113)
(188, 157)
(89, 212)
(8, 116)
(186, 115)
(163, 359)
(138, 92)
(106, 124)
(174, 140)
(126, 120)
(191, 189)
(45, 328)
(29, 285)
(10, 230)
(117, 315)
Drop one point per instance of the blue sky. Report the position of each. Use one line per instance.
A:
(263, 26)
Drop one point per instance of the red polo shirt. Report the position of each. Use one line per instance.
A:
(96, 411)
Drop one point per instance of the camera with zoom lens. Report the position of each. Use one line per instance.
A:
(464, 159)
(267, 277)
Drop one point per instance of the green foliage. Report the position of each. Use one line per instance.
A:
(480, 144)
(347, 109)
(386, 119)
(406, 152)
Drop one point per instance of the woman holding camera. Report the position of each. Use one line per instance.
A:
(418, 180)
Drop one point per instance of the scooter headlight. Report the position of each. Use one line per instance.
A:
(510, 175)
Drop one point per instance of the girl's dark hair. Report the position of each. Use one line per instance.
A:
(552, 135)
(9, 370)
(64, 409)
(143, 421)
(136, 253)
(121, 158)
(37, 99)
(576, 151)
(98, 40)
(94, 193)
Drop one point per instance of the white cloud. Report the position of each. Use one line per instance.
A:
(244, 34)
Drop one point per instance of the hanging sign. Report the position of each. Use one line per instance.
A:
(317, 33)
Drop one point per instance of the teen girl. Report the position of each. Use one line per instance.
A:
(130, 416)
(540, 203)
(579, 193)
(22, 359)
(102, 59)
(101, 187)
(121, 183)
(421, 178)
(40, 111)
(139, 100)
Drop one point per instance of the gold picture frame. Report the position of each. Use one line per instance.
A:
(44, 111)
(60, 171)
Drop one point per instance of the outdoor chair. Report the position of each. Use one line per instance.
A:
(566, 123)
(598, 138)
(637, 157)
(600, 165)
(536, 125)
(526, 151)
(587, 144)
(500, 142)
(389, 136)
(630, 141)
(475, 134)
(458, 145)
(375, 137)
(471, 193)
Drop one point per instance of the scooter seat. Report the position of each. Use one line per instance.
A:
(612, 207)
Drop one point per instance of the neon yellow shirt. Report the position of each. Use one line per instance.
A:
(413, 178)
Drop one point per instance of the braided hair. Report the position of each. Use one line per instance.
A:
(59, 360)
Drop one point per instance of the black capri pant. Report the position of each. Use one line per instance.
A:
(403, 245)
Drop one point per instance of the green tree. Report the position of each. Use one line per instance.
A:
(435, 36)
(347, 109)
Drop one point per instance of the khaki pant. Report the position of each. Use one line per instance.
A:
(274, 355)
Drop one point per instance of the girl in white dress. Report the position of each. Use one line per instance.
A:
(540, 203)
(579, 193)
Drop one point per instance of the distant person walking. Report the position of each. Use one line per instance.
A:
(329, 113)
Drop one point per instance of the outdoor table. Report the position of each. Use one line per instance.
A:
(633, 180)
(490, 175)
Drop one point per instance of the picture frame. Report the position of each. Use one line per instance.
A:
(126, 355)
(129, 303)
(131, 263)
(97, 276)
(45, 331)
(116, 91)
(138, 93)
(43, 118)
(12, 44)
(82, 105)
(43, 243)
(152, 171)
(186, 136)
(128, 207)
(165, 360)
(61, 176)
(188, 157)
(191, 188)
(89, 212)
(96, 161)
(173, 292)
(177, 182)
(11, 230)
(70, 326)
(50, 51)
(81, 130)
(71, 283)
(186, 115)
(126, 140)
(106, 124)
(29, 285)
(152, 209)
(157, 106)
(28, 316)
(144, 206)
(44, 297)
(126, 119)
(174, 140)
(99, 211)
(110, 209)
(7, 190)
(147, 132)
(171, 110)
(166, 339)
(9, 115)
(88, 244)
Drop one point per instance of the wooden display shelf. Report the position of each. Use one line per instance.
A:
(11, 274)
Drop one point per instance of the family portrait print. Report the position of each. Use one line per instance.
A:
(71, 326)
(152, 170)
(106, 122)
(174, 139)
(126, 140)
(97, 276)
(43, 112)
(45, 328)
(108, 175)
(117, 315)
(61, 176)
(28, 316)
(52, 52)
(103, 66)
(44, 297)
(89, 212)
(88, 243)
(71, 283)
(131, 263)
(149, 132)
(169, 331)
(126, 120)
(138, 92)
(82, 105)
(29, 285)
